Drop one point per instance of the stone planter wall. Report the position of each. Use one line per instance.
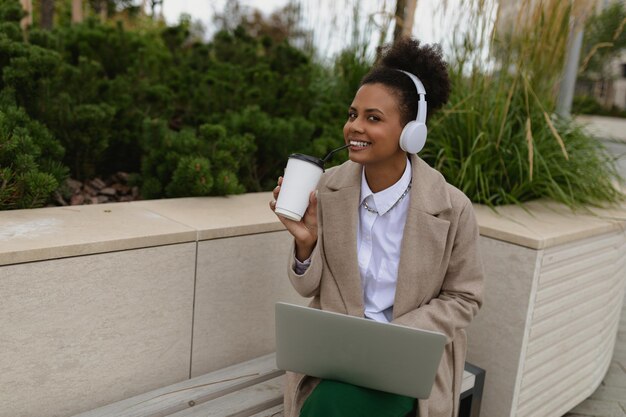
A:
(100, 303)
(554, 292)
(103, 302)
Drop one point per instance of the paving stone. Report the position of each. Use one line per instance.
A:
(615, 376)
(599, 408)
(620, 354)
(610, 393)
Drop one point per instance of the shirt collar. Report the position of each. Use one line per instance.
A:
(384, 200)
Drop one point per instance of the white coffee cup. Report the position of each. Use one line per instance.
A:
(302, 174)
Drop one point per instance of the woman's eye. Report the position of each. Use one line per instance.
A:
(351, 115)
(373, 118)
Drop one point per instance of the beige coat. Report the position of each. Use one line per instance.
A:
(440, 274)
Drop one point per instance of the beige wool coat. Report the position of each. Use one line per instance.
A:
(440, 275)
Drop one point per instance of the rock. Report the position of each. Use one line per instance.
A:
(121, 188)
(122, 176)
(108, 191)
(97, 183)
(97, 191)
(73, 185)
(89, 190)
(77, 199)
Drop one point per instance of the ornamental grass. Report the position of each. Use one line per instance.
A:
(499, 139)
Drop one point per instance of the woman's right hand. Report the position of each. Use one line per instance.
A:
(304, 231)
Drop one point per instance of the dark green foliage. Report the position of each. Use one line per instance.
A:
(29, 155)
(184, 163)
(589, 105)
(11, 11)
(224, 115)
(93, 85)
(275, 139)
(192, 177)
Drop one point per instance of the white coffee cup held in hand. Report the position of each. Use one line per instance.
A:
(302, 174)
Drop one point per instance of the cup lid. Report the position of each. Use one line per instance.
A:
(308, 158)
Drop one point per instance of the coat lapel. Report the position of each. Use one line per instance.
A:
(340, 210)
(424, 238)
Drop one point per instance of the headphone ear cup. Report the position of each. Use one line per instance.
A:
(413, 137)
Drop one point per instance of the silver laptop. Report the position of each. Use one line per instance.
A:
(382, 356)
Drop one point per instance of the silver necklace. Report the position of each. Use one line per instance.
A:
(371, 210)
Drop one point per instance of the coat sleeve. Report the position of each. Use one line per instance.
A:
(308, 284)
(461, 291)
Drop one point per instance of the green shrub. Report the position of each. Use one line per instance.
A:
(192, 177)
(29, 155)
(589, 105)
(586, 105)
(187, 163)
(11, 11)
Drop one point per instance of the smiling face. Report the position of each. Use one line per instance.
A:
(373, 128)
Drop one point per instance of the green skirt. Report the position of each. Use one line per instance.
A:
(336, 399)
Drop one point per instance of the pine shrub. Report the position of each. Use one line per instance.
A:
(29, 155)
(184, 163)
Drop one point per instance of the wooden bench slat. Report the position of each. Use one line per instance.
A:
(271, 412)
(249, 389)
(243, 403)
(176, 397)
(469, 379)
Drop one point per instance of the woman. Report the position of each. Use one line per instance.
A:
(385, 237)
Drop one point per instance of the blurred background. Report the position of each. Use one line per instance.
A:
(117, 100)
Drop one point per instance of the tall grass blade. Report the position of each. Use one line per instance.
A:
(556, 135)
(529, 142)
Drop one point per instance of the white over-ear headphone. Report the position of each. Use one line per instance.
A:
(413, 137)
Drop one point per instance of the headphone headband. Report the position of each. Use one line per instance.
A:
(418, 84)
(421, 91)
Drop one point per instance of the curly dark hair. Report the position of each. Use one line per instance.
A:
(425, 61)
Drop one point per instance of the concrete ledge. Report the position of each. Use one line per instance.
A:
(218, 217)
(59, 232)
(544, 224)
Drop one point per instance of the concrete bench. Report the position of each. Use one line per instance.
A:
(249, 389)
